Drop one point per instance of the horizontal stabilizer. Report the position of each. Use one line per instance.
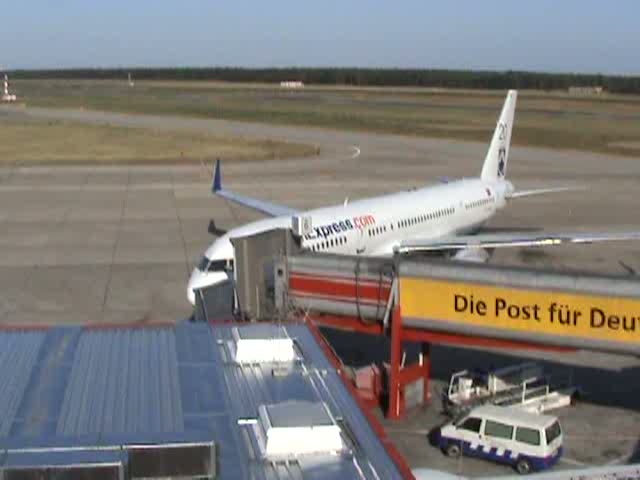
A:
(506, 240)
(214, 230)
(542, 191)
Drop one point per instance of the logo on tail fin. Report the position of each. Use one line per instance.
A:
(501, 164)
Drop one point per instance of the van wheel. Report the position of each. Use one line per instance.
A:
(523, 466)
(453, 450)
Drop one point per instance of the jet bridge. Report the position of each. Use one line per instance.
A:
(504, 304)
(420, 300)
(426, 301)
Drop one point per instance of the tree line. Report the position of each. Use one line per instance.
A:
(493, 80)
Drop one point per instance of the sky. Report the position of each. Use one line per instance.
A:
(544, 35)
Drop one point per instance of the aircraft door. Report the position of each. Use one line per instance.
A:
(361, 245)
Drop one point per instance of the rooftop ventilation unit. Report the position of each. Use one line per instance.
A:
(299, 428)
(256, 346)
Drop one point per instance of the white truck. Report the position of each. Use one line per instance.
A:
(523, 386)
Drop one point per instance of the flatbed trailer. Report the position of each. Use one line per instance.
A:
(522, 386)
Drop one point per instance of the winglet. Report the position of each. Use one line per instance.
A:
(217, 178)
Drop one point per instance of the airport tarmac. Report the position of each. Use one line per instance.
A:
(116, 244)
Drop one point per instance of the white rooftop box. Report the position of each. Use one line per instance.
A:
(254, 346)
(296, 428)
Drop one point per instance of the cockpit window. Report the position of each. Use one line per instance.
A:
(204, 263)
(207, 265)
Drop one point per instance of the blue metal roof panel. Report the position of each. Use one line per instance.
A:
(74, 386)
(123, 381)
(18, 354)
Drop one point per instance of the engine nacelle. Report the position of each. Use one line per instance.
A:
(474, 255)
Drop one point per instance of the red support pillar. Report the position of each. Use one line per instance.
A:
(399, 378)
(426, 370)
(396, 406)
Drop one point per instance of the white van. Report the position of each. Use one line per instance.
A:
(527, 441)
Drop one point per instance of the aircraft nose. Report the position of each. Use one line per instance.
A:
(200, 280)
(194, 282)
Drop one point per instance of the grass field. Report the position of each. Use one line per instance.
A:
(606, 124)
(27, 142)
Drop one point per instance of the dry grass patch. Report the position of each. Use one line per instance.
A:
(544, 119)
(30, 142)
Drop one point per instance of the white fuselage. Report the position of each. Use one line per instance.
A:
(372, 227)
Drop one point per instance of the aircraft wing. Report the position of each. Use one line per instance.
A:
(268, 208)
(511, 239)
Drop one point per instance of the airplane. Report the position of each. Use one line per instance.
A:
(444, 218)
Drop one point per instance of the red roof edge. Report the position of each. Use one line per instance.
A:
(377, 427)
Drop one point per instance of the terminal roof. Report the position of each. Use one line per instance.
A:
(68, 390)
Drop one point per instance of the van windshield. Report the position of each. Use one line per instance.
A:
(552, 432)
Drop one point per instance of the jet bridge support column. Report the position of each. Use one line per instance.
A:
(402, 376)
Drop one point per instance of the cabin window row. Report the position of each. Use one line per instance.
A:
(478, 203)
(325, 244)
(372, 232)
(426, 217)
